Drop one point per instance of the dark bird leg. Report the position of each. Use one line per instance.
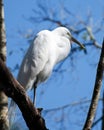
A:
(34, 92)
(34, 98)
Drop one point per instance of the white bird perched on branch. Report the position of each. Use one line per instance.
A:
(47, 49)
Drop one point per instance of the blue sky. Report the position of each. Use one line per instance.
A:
(75, 83)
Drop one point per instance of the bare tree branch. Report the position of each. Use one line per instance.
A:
(2, 33)
(102, 117)
(103, 112)
(92, 38)
(96, 93)
(4, 123)
(70, 105)
(13, 89)
(44, 16)
(97, 121)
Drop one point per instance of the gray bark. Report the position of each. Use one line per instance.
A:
(4, 123)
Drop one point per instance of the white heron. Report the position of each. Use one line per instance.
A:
(47, 49)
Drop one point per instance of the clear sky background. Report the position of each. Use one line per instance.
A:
(77, 81)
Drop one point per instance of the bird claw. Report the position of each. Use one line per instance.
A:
(40, 110)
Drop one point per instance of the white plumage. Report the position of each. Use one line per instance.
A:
(47, 49)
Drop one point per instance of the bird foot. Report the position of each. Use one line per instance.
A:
(40, 110)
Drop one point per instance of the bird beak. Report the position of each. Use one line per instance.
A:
(77, 42)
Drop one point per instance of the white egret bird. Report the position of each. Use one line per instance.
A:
(47, 49)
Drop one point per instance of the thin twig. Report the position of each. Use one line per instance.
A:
(70, 105)
(97, 121)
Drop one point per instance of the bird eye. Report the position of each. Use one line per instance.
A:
(68, 34)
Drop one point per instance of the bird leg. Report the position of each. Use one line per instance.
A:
(34, 94)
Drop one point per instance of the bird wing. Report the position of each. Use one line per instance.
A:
(33, 62)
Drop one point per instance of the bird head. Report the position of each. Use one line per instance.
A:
(75, 40)
(62, 31)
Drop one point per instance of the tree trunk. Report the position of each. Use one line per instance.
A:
(4, 123)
